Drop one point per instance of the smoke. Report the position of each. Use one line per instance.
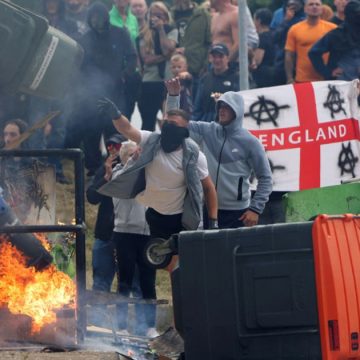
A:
(62, 337)
(123, 318)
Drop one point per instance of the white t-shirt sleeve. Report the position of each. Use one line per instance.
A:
(144, 137)
(202, 166)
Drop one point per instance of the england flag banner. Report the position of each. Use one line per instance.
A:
(310, 132)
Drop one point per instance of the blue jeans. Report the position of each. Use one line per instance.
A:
(103, 264)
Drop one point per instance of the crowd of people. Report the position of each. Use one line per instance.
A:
(131, 48)
(178, 63)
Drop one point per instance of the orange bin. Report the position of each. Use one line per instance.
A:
(336, 243)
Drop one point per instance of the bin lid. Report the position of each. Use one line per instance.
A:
(20, 34)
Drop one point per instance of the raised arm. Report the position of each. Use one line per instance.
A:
(121, 122)
(197, 128)
(167, 44)
(173, 94)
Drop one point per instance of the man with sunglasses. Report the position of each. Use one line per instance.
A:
(233, 154)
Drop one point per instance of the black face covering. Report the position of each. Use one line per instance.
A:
(98, 24)
(98, 18)
(172, 136)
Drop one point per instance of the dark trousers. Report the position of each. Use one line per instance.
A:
(163, 226)
(151, 101)
(129, 254)
(103, 264)
(227, 219)
(132, 93)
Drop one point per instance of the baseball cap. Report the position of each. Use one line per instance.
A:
(115, 139)
(219, 48)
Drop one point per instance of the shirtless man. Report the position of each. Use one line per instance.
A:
(225, 29)
(224, 26)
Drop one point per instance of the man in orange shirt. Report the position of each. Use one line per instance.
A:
(301, 37)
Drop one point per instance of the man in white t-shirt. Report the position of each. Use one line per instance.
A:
(167, 182)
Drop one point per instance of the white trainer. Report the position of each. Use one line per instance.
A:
(152, 333)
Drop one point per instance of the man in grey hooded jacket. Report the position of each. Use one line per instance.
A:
(233, 153)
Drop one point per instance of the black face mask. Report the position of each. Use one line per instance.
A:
(99, 24)
(172, 136)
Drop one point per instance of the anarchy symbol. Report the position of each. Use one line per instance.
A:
(265, 110)
(347, 161)
(275, 167)
(334, 101)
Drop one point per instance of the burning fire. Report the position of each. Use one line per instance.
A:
(42, 238)
(26, 291)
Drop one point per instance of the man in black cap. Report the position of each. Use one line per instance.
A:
(219, 79)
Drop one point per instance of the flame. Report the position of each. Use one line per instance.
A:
(42, 238)
(26, 291)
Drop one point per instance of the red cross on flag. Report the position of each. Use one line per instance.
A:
(310, 132)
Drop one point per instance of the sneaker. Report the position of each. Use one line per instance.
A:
(152, 333)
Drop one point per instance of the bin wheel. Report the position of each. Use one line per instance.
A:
(157, 254)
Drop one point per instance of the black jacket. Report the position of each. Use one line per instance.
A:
(204, 106)
(105, 218)
(108, 57)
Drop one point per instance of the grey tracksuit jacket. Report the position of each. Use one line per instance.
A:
(233, 153)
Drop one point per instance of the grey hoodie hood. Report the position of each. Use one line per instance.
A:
(232, 153)
(236, 102)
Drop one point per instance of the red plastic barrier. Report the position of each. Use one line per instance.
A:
(336, 242)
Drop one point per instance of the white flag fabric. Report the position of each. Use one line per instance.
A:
(310, 132)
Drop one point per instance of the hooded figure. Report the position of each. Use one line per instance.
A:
(343, 45)
(233, 154)
(54, 11)
(108, 55)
